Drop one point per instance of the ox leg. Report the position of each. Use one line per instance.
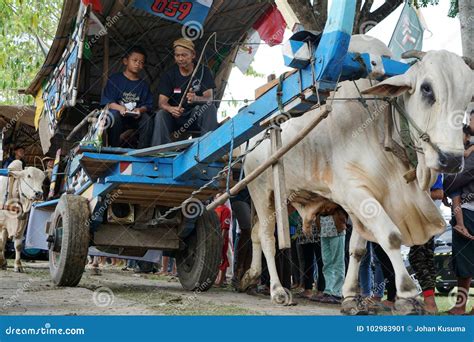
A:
(278, 294)
(18, 248)
(352, 304)
(252, 276)
(376, 220)
(3, 242)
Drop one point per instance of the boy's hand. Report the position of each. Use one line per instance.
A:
(123, 110)
(137, 110)
(176, 111)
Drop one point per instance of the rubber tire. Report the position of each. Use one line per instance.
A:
(203, 272)
(444, 290)
(74, 212)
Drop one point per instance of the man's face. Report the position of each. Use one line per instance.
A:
(183, 57)
(467, 138)
(134, 63)
(19, 153)
(471, 122)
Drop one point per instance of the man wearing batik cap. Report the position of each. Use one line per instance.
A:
(181, 110)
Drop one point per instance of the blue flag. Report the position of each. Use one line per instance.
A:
(408, 34)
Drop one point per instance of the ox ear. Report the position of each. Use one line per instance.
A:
(394, 86)
(15, 174)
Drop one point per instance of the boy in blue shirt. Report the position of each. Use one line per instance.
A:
(130, 100)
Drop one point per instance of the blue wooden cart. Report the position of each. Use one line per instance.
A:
(126, 201)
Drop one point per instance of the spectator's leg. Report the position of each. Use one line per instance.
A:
(463, 262)
(319, 261)
(206, 118)
(145, 129)
(164, 126)
(300, 265)
(379, 282)
(308, 268)
(365, 274)
(422, 261)
(295, 277)
(115, 128)
(388, 273)
(333, 264)
(243, 250)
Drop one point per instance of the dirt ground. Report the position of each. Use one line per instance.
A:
(117, 292)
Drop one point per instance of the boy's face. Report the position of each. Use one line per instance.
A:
(19, 153)
(183, 57)
(134, 63)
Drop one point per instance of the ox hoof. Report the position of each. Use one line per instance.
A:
(354, 306)
(19, 269)
(408, 306)
(247, 281)
(282, 296)
(3, 265)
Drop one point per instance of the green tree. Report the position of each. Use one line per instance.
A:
(22, 25)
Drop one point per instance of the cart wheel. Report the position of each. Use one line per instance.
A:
(198, 263)
(69, 241)
(444, 289)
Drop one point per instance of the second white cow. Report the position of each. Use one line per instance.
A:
(17, 194)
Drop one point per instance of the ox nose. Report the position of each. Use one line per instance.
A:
(451, 162)
(39, 194)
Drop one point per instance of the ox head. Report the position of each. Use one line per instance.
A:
(30, 182)
(436, 91)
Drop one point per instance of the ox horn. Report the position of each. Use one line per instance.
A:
(469, 61)
(413, 54)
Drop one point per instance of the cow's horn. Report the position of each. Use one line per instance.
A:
(414, 54)
(469, 61)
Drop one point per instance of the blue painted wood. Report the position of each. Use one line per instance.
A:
(140, 180)
(46, 204)
(4, 172)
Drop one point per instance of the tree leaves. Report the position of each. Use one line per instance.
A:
(20, 55)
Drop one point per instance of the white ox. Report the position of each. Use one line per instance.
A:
(343, 160)
(23, 187)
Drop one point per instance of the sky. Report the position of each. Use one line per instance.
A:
(444, 33)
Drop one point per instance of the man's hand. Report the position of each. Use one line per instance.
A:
(176, 111)
(468, 152)
(191, 96)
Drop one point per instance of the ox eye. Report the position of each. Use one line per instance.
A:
(29, 176)
(427, 92)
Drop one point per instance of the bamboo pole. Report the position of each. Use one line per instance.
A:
(324, 111)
